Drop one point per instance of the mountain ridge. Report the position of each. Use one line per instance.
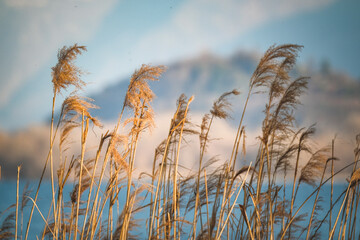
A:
(332, 100)
(207, 76)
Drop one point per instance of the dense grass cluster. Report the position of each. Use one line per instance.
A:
(226, 200)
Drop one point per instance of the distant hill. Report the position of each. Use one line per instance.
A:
(332, 101)
(206, 77)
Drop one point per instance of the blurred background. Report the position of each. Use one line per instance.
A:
(209, 47)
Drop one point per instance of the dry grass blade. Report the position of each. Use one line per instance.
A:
(233, 205)
(47, 225)
(243, 212)
(126, 219)
(243, 170)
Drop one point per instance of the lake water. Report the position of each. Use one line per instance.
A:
(8, 197)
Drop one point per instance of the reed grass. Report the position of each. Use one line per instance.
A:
(217, 200)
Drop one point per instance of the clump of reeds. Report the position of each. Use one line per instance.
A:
(228, 200)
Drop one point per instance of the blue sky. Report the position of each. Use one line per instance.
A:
(121, 35)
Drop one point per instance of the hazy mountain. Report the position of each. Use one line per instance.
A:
(205, 77)
(332, 99)
(332, 102)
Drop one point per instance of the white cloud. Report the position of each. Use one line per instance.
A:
(32, 143)
(204, 24)
(353, 120)
(42, 28)
(222, 135)
(26, 3)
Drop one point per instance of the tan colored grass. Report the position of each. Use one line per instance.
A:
(205, 204)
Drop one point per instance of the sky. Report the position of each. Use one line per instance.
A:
(122, 35)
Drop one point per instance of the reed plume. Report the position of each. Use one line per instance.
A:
(7, 228)
(65, 73)
(74, 106)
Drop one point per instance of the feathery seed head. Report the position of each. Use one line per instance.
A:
(75, 106)
(119, 141)
(355, 176)
(139, 96)
(204, 135)
(65, 73)
(314, 167)
(139, 90)
(275, 58)
(221, 106)
(181, 116)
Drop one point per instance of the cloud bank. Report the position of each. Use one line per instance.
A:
(33, 31)
(201, 25)
(38, 29)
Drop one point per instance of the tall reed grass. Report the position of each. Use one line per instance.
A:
(226, 200)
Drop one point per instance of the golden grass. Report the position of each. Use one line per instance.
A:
(207, 203)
